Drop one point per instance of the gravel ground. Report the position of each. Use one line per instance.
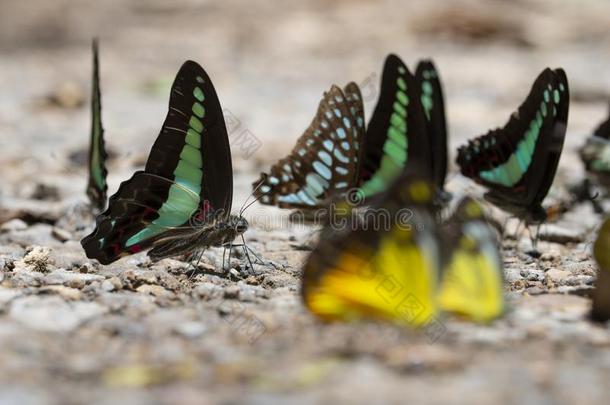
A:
(73, 331)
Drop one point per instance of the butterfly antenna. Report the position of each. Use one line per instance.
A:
(250, 204)
(242, 209)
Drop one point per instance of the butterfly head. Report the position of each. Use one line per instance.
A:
(238, 224)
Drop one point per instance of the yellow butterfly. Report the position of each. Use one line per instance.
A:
(601, 295)
(396, 273)
(386, 267)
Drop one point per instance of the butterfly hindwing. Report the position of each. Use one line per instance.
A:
(324, 163)
(97, 186)
(518, 162)
(396, 133)
(380, 269)
(472, 284)
(188, 176)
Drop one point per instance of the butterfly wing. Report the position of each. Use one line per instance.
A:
(518, 162)
(595, 153)
(472, 282)
(396, 134)
(431, 98)
(601, 294)
(325, 160)
(378, 269)
(97, 186)
(187, 180)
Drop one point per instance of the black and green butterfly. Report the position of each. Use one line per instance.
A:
(402, 270)
(335, 155)
(97, 186)
(517, 163)
(181, 202)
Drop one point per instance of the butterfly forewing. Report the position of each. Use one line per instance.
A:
(324, 163)
(431, 98)
(396, 133)
(187, 181)
(97, 186)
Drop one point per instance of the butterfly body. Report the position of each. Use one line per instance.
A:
(517, 163)
(181, 201)
(220, 233)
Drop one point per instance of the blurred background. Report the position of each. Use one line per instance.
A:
(270, 62)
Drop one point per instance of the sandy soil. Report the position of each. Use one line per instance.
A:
(72, 331)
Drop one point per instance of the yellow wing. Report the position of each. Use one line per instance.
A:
(601, 295)
(472, 282)
(393, 278)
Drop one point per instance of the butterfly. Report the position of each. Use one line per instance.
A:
(595, 153)
(329, 161)
(97, 186)
(472, 283)
(601, 295)
(404, 271)
(373, 268)
(182, 200)
(517, 163)
(326, 158)
(408, 124)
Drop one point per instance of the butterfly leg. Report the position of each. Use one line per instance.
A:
(534, 239)
(224, 252)
(258, 259)
(196, 265)
(518, 230)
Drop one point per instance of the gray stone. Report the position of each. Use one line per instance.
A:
(70, 278)
(52, 313)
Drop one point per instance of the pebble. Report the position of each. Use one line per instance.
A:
(36, 259)
(190, 330)
(155, 290)
(208, 291)
(61, 234)
(73, 279)
(67, 293)
(231, 292)
(13, 225)
(137, 277)
(52, 313)
(557, 276)
(112, 284)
